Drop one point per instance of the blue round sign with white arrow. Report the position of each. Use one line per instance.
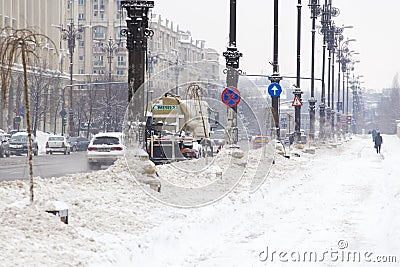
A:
(274, 89)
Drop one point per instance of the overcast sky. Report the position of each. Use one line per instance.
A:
(376, 28)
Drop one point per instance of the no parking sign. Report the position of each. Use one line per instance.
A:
(230, 96)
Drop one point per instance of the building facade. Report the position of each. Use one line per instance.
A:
(87, 37)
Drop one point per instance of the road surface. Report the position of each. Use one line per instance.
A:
(45, 166)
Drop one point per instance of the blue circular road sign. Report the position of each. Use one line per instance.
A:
(274, 89)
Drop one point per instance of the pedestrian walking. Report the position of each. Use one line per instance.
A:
(378, 142)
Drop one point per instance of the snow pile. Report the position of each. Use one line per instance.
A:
(305, 203)
(41, 138)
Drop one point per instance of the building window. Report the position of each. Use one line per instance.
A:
(81, 58)
(120, 72)
(98, 61)
(102, 15)
(119, 9)
(6, 22)
(81, 2)
(121, 61)
(81, 16)
(81, 43)
(81, 71)
(99, 33)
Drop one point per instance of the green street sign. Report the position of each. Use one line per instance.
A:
(165, 107)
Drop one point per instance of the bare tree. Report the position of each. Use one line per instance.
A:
(20, 44)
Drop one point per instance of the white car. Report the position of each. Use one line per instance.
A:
(57, 144)
(104, 149)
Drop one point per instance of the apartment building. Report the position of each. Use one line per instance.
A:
(91, 30)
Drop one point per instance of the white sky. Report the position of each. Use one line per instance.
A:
(375, 28)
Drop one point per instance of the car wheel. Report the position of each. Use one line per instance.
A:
(35, 152)
(1, 153)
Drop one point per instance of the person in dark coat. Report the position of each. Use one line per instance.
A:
(378, 142)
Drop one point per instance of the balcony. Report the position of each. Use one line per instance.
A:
(98, 50)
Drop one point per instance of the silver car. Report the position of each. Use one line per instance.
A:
(57, 144)
(104, 149)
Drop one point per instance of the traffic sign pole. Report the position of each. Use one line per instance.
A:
(232, 56)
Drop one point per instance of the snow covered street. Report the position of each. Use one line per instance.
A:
(337, 207)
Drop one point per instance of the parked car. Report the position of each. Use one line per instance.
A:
(104, 149)
(78, 143)
(57, 144)
(14, 131)
(19, 144)
(4, 146)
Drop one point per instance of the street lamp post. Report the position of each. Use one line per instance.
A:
(110, 47)
(177, 70)
(342, 50)
(314, 6)
(71, 33)
(297, 92)
(334, 38)
(325, 21)
(347, 66)
(276, 77)
(137, 33)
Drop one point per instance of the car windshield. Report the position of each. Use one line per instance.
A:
(106, 140)
(72, 139)
(19, 138)
(56, 138)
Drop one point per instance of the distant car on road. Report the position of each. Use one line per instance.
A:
(259, 141)
(19, 144)
(4, 146)
(78, 143)
(57, 144)
(104, 149)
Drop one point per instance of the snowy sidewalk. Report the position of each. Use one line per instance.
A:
(344, 199)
